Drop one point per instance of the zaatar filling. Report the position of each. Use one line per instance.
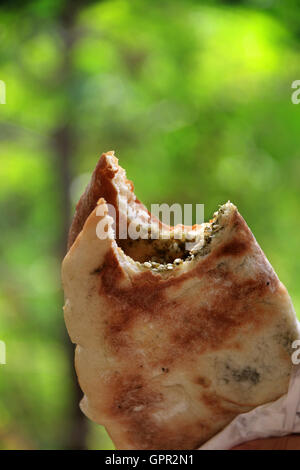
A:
(163, 254)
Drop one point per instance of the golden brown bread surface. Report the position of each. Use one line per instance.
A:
(167, 358)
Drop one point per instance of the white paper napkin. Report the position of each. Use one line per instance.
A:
(278, 418)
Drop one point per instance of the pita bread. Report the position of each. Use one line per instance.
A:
(167, 357)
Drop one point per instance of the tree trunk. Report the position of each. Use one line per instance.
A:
(64, 137)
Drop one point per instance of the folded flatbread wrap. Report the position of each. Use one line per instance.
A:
(170, 351)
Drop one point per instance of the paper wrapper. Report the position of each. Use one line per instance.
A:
(275, 419)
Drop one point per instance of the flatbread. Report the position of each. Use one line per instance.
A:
(167, 356)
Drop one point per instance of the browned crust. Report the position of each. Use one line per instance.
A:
(101, 185)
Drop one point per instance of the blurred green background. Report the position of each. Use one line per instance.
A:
(194, 97)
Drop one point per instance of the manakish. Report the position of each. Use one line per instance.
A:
(169, 352)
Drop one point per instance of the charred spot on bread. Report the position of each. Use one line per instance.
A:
(246, 374)
(233, 248)
(97, 270)
(203, 381)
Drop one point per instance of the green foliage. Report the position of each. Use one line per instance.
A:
(195, 100)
